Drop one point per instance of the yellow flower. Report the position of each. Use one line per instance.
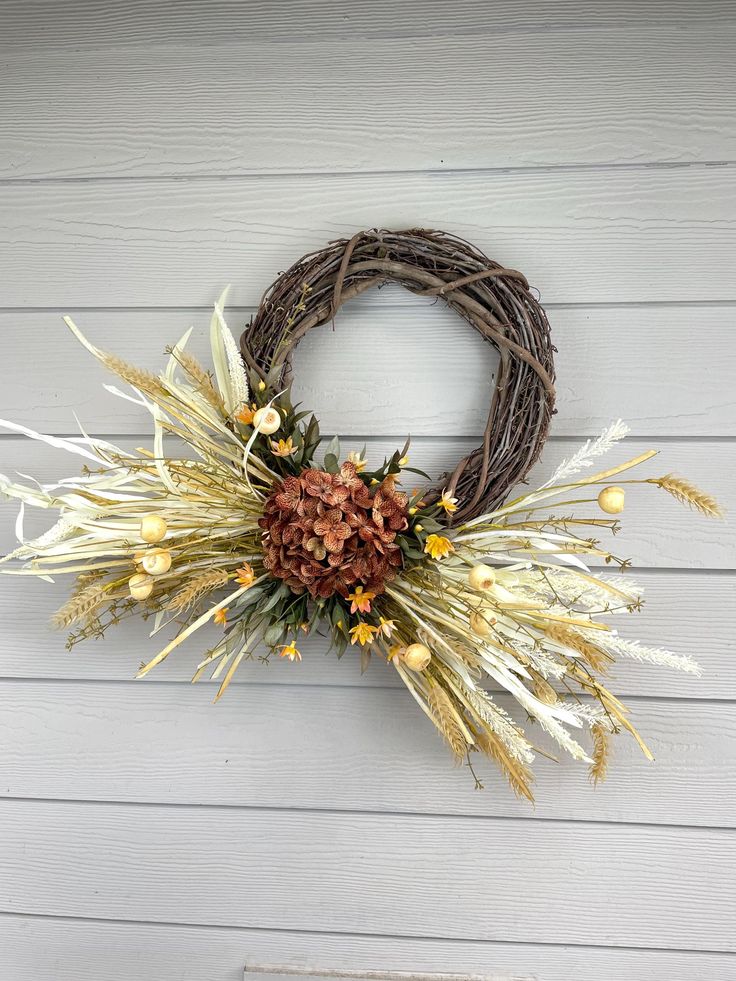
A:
(261, 386)
(403, 461)
(362, 633)
(386, 627)
(395, 652)
(447, 502)
(358, 461)
(290, 651)
(221, 616)
(361, 601)
(438, 546)
(284, 447)
(244, 576)
(246, 414)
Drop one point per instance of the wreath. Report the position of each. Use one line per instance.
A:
(246, 526)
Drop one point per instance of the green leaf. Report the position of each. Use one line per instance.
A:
(417, 470)
(332, 449)
(273, 635)
(281, 593)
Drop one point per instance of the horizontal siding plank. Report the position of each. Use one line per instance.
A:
(580, 236)
(238, 107)
(34, 23)
(92, 950)
(657, 531)
(671, 387)
(343, 747)
(685, 612)
(370, 873)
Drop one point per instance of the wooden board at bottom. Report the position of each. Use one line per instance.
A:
(553, 882)
(36, 948)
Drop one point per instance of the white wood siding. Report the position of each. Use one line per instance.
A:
(151, 153)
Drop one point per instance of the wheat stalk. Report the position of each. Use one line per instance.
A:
(601, 753)
(80, 606)
(443, 713)
(596, 658)
(196, 588)
(685, 492)
(137, 377)
(543, 689)
(201, 378)
(518, 776)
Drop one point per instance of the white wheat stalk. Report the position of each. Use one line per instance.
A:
(575, 590)
(587, 453)
(561, 736)
(589, 713)
(236, 369)
(501, 723)
(614, 644)
(546, 665)
(59, 532)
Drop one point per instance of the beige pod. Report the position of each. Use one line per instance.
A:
(611, 500)
(482, 623)
(140, 586)
(417, 657)
(157, 561)
(481, 577)
(153, 528)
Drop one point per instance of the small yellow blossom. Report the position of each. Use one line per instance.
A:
(360, 600)
(357, 460)
(418, 527)
(246, 414)
(413, 511)
(283, 447)
(244, 576)
(438, 546)
(362, 633)
(221, 616)
(386, 627)
(447, 502)
(261, 386)
(403, 461)
(395, 652)
(290, 651)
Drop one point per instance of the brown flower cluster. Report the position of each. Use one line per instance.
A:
(327, 532)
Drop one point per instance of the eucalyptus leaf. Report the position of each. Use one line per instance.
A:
(273, 634)
(333, 448)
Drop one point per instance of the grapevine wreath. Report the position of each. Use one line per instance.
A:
(247, 527)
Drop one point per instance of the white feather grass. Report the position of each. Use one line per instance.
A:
(587, 454)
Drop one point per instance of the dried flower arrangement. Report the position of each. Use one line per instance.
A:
(258, 529)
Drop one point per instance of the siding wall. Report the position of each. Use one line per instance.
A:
(150, 153)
